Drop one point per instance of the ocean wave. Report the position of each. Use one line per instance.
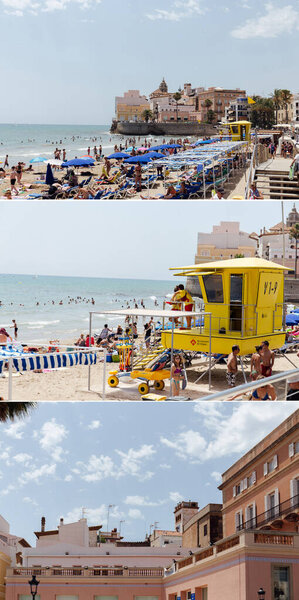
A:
(36, 327)
(42, 323)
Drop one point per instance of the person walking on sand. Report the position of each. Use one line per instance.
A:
(255, 365)
(232, 366)
(13, 179)
(6, 162)
(267, 359)
(177, 375)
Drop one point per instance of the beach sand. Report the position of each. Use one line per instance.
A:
(70, 384)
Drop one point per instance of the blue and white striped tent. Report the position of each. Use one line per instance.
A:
(31, 362)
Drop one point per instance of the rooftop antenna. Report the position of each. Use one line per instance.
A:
(120, 524)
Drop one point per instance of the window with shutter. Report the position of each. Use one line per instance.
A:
(275, 461)
(265, 468)
(291, 450)
(245, 483)
(234, 491)
(241, 486)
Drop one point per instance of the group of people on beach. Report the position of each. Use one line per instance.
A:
(262, 361)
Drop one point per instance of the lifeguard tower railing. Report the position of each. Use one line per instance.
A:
(241, 324)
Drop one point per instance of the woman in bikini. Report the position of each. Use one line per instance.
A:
(176, 374)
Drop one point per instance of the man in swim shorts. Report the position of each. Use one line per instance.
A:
(267, 359)
(232, 366)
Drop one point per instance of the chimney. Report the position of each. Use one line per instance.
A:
(43, 523)
(61, 521)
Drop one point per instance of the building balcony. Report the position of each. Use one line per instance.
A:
(275, 517)
(93, 572)
(246, 541)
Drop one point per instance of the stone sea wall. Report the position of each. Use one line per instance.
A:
(175, 128)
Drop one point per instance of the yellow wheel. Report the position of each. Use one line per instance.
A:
(159, 385)
(113, 381)
(143, 388)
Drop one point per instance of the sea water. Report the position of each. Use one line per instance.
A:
(28, 299)
(25, 142)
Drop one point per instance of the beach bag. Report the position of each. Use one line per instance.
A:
(108, 358)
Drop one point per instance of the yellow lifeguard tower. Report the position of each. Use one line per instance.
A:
(243, 300)
(240, 131)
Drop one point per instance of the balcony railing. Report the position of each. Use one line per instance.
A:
(273, 513)
(100, 571)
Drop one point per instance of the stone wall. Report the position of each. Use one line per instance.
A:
(175, 128)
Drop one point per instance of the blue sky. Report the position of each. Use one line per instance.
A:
(64, 61)
(141, 458)
(139, 240)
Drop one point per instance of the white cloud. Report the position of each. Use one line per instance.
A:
(94, 516)
(226, 434)
(243, 428)
(181, 9)
(36, 473)
(216, 476)
(22, 457)
(94, 425)
(132, 462)
(19, 7)
(30, 501)
(15, 430)
(101, 467)
(50, 435)
(96, 468)
(274, 22)
(188, 444)
(140, 501)
(68, 478)
(176, 496)
(9, 488)
(135, 513)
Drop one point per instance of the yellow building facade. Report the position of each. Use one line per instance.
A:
(130, 106)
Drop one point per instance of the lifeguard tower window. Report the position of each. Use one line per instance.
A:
(214, 288)
(236, 298)
(235, 129)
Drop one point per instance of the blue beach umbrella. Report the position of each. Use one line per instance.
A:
(154, 155)
(143, 159)
(78, 162)
(290, 320)
(118, 155)
(49, 176)
(38, 159)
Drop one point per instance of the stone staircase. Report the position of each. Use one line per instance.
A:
(276, 185)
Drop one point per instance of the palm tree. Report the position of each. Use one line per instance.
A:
(9, 411)
(177, 96)
(286, 98)
(207, 104)
(294, 235)
(276, 99)
(147, 115)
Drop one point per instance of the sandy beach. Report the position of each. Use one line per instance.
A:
(70, 384)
